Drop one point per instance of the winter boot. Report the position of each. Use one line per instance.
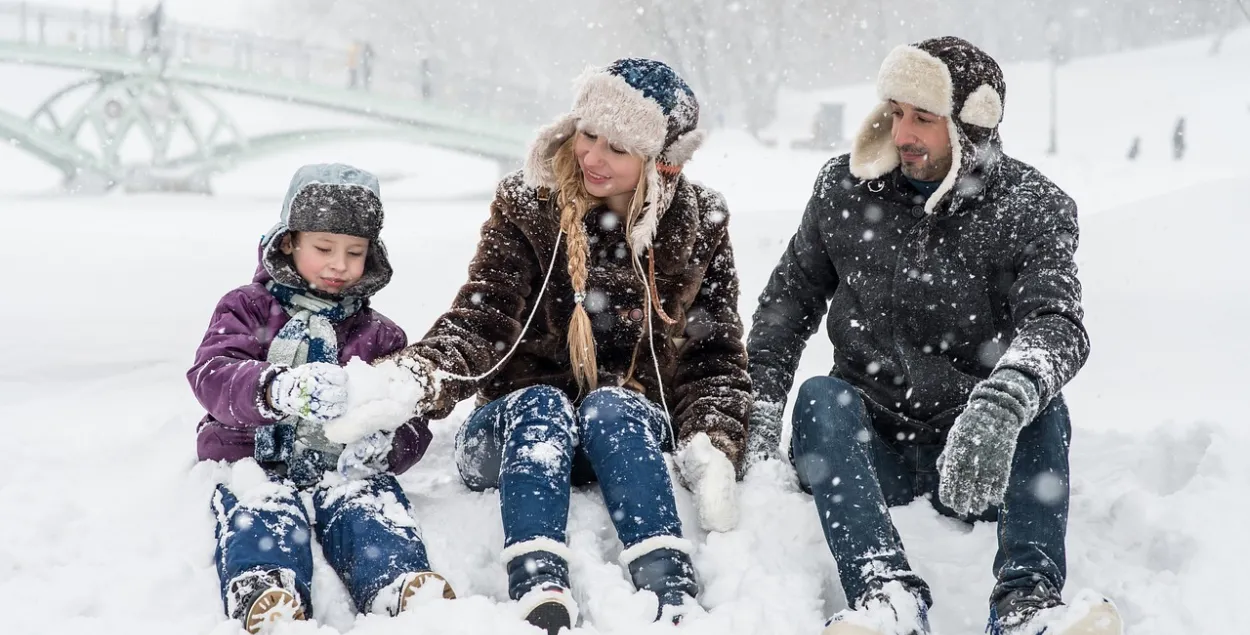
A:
(399, 595)
(1041, 610)
(662, 565)
(260, 599)
(888, 609)
(538, 579)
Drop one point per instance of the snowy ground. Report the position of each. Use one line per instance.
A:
(106, 527)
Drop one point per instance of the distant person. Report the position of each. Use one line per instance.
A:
(1178, 139)
(269, 374)
(947, 270)
(426, 78)
(366, 65)
(353, 66)
(153, 36)
(155, 22)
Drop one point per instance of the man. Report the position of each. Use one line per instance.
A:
(954, 310)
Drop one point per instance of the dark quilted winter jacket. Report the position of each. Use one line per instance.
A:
(702, 357)
(921, 306)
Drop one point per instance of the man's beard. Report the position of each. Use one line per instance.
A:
(926, 170)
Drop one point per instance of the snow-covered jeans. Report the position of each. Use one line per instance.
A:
(855, 475)
(533, 444)
(365, 529)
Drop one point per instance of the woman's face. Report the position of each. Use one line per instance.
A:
(608, 171)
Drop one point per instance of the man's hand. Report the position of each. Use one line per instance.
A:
(764, 432)
(976, 464)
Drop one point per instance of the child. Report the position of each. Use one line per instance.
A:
(269, 373)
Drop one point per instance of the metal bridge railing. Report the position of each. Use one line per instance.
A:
(160, 43)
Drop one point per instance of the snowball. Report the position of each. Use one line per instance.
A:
(381, 397)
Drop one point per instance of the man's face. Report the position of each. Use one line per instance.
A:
(923, 141)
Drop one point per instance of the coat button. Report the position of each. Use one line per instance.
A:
(917, 211)
(636, 315)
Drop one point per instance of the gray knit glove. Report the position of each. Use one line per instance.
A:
(975, 466)
(764, 432)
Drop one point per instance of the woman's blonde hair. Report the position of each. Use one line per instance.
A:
(574, 202)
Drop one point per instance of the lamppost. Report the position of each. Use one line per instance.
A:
(1053, 34)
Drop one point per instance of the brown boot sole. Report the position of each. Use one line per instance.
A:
(273, 606)
(550, 616)
(1102, 619)
(422, 579)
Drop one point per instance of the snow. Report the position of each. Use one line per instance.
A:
(381, 397)
(901, 614)
(544, 454)
(710, 476)
(107, 525)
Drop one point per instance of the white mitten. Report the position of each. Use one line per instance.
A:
(710, 476)
(316, 391)
(366, 456)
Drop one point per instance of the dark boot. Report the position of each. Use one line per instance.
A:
(539, 582)
(1034, 611)
(669, 574)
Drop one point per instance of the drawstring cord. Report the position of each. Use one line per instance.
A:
(668, 420)
(653, 291)
(555, 251)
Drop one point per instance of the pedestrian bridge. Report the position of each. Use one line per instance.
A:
(145, 117)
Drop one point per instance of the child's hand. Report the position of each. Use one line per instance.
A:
(366, 456)
(315, 391)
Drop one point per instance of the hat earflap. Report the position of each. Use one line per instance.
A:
(538, 170)
(682, 148)
(872, 152)
(643, 233)
(983, 108)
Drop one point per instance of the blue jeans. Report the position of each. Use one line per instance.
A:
(534, 445)
(354, 522)
(854, 476)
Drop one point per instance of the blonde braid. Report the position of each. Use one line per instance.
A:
(574, 203)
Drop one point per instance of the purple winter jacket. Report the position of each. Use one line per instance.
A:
(230, 374)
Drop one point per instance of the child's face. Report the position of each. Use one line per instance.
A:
(330, 263)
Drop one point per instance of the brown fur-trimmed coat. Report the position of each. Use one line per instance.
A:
(702, 356)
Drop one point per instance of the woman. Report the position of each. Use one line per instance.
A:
(623, 274)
